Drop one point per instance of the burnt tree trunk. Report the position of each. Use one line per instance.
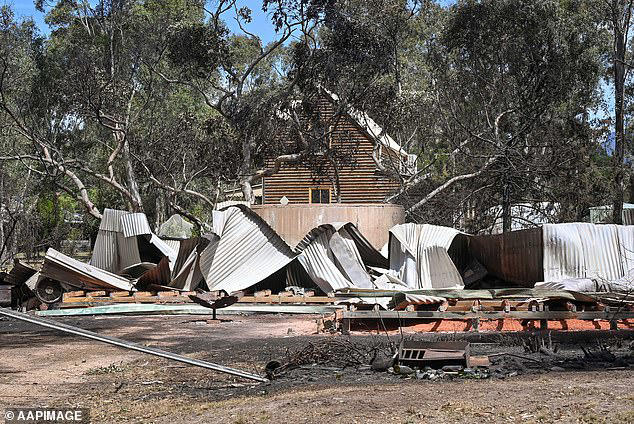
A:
(620, 18)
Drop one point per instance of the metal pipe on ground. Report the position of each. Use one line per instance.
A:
(128, 345)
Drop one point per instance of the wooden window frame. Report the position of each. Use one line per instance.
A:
(310, 195)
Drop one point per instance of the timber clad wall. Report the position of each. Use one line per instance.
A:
(359, 179)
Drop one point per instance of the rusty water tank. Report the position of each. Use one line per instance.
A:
(293, 222)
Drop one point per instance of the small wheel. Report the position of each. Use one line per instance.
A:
(49, 291)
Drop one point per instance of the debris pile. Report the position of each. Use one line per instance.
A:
(556, 272)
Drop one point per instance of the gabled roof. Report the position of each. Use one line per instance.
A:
(369, 126)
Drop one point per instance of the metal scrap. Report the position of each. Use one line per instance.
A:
(128, 345)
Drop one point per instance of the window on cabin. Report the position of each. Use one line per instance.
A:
(319, 195)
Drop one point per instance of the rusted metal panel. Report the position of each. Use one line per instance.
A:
(18, 274)
(158, 276)
(293, 222)
(516, 256)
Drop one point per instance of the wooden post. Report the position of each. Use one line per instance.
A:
(345, 326)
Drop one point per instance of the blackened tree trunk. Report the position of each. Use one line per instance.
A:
(621, 12)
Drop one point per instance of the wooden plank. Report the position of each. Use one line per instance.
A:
(167, 293)
(96, 293)
(120, 294)
(286, 299)
(532, 315)
(142, 294)
(77, 293)
(129, 299)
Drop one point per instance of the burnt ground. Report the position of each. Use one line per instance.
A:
(41, 367)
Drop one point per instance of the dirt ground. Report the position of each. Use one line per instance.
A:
(41, 367)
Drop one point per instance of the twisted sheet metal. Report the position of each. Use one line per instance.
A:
(105, 253)
(60, 267)
(419, 254)
(244, 251)
(116, 247)
(336, 255)
(581, 250)
(318, 261)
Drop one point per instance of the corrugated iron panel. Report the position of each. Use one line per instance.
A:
(319, 262)
(128, 252)
(419, 254)
(67, 270)
(246, 251)
(626, 247)
(601, 251)
(111, 220)
(164, 249)
(173, 244)
(134, 224)
(628, 216)
(369, 255)
(105, 254)
(581, 250)
(563, 252)
(516, 256)
(189, 276)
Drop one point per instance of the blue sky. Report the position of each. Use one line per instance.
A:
(260, 25)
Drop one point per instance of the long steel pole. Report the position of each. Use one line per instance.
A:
(128, 345)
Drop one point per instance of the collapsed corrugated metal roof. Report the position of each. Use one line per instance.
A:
(243, 250)
(67, 270)
(336, 256)
(419, 254)
(125, 240)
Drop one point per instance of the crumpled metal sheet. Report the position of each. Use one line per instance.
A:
(67, 270)
(581, 250)
(19, 274)
(117, 244)
(319, 262)
(336, 255)
(243, 251)
(419, 254)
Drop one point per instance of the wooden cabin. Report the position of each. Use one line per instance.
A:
(355, 136)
